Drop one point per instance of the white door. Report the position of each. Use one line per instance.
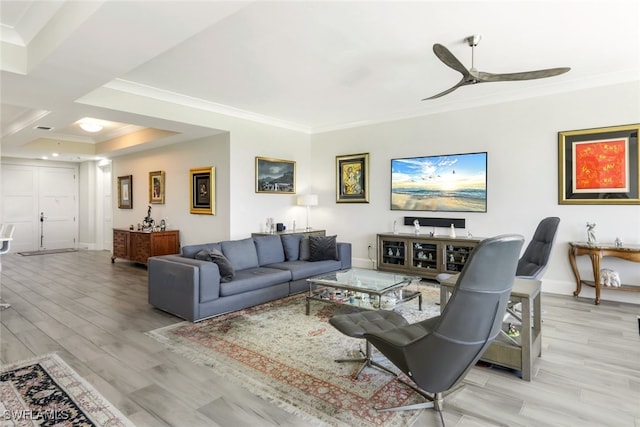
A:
(42, 203)
(57, 208)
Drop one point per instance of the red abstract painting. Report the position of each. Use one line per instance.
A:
(601, 165)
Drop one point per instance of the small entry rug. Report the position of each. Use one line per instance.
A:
(45, 391)
(284, 356)
(47, 252)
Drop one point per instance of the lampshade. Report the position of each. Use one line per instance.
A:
(307, 200)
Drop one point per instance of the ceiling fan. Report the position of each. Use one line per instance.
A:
(472, 75)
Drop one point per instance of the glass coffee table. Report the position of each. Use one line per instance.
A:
(365, 289)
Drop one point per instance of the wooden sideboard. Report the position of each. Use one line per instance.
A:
(596, 251)
(423, 255)
(138, 246)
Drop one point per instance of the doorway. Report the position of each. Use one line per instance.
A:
(42, 202)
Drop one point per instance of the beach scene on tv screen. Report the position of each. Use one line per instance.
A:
(450, 183)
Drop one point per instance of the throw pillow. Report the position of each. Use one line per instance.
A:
(224, 266)
(269, 249)
(305, 252)
(241, 254)
(323, 248)
(291, 244)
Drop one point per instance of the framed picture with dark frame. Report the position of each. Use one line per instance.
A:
(275, 176)
(203, 188)
(599, 166)
(156, 187)
(352, 178)
(125, 192)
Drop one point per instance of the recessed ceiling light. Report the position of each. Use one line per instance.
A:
(44, 157)
(55, 154)
(43, 128)
(89, 124)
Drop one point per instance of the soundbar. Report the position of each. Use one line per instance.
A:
(436, 222)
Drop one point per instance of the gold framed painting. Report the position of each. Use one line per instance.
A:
(156, 187)
(352, 178)
(275, 176)
(203, 189)
(599, 166)
(125, 192)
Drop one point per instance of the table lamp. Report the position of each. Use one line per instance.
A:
(307, 200)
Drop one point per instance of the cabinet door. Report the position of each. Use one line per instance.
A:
(424, 257)
(121, 244)
(393, 253)
(140, 247)
(455, 255)
(164, 243)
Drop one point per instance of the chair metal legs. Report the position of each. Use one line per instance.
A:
(366, 360)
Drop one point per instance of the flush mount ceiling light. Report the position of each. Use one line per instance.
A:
(90, 125)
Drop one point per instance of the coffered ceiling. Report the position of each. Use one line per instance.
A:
(306, 65)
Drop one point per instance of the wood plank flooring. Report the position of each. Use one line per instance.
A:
(94, 314)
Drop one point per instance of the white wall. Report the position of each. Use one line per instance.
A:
(521, 141)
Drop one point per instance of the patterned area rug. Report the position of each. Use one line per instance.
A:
(286, 357)
(46, 391)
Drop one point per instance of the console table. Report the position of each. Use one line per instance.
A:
(138, 246)
(513, 352)
(596, 252)
(304, 232)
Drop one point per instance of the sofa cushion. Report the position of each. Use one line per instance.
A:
(323, 248)
(291, 245)
(269, 249)
(241, 253)
(224, 266)
(251, 279)
(305, 269)
(305, 252)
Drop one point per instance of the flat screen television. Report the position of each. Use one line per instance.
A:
(450, 183)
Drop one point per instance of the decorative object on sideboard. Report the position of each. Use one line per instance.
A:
(618, 242)
(452, 232)
(148, 223)
(609, 277)
(307, 200)
(599, 166)
(416, 226)
(591, 234)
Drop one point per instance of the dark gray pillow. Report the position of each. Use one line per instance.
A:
(224, 266)
(322, 248)
(305, 252)
(291, 244)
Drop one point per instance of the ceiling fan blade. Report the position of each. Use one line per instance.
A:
(525, 75)
(449, 60)
(461, 83)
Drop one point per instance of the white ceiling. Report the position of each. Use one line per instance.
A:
(306, 65)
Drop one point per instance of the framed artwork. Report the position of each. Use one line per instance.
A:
(352, 178)
(599, 166)
(203, 188)
(156, 187)
(275, 176)
(125, 192)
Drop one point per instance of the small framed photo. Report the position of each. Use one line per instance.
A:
(125, 192)
(156, 187)
(599, 166)
(352, 178)
(203, 188)
(275, 176)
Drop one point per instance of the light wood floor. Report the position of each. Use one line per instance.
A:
(94, 314)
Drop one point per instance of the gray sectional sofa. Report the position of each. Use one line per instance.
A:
(254, 270)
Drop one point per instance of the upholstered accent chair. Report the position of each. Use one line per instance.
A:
(436, 353)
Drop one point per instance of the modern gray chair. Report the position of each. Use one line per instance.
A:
(535, 258)
(436, 353)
